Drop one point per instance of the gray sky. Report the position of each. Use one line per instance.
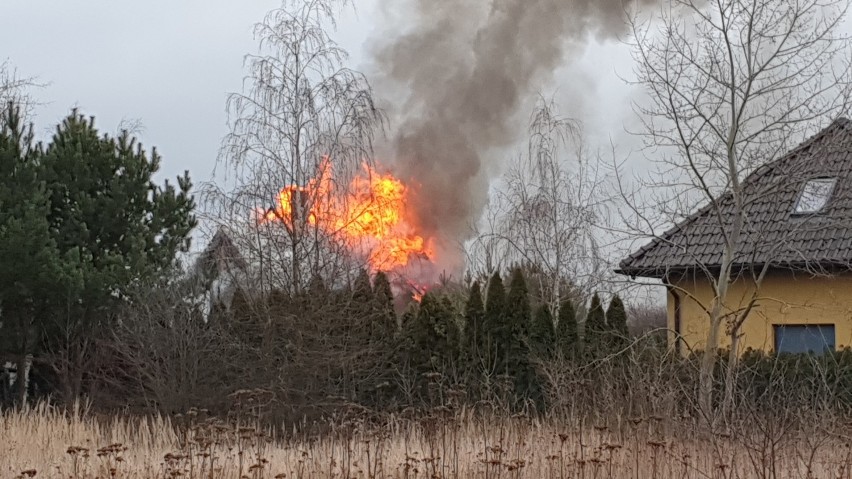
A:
(170, 64)
(167, 63)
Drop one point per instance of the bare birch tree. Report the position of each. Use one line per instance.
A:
(302, 119)
(733, 85)
(545, 212)
(14, 89)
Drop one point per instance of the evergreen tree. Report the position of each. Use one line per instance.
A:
(318, 293)
(542, 347)
(360, 309)
(434, 337)
(516, 361)
(567, 339)
(28, 255)
(383, 342)
(542, 334)
(517, 319)
(475, 340)
(384, 316)
(497, 329)
(113, 224)
(616, 318)
(362, 289)
(596, 329)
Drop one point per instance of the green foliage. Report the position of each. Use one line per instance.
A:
(434, 337)
(616, 318)
(475, 335)
(110, 226)
(595, 331)
(518, 310)
(384, 316)
(567, 338)
(497, 328)
(362, 289)
(793, 381)
(28, 254)
(542, 334)
(515, 361)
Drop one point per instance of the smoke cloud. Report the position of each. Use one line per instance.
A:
(462, 75)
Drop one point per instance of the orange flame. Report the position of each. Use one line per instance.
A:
(372, 216)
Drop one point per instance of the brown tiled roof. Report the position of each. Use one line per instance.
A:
(773, 233)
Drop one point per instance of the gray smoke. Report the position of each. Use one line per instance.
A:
(464, 72)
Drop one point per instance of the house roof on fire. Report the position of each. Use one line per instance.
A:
(798, 214)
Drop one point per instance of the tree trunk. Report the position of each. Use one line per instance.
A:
(22, 379)
(708, 363)
(730, 374)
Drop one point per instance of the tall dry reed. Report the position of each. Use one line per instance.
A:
(45, 441)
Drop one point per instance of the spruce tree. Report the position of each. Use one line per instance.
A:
(595, 330)
(616, 318)
(567, 338)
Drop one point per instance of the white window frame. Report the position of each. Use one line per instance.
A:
(820, 205)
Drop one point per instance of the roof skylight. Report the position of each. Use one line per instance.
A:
(815, 195)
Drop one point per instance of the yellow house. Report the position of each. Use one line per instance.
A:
(790, 270)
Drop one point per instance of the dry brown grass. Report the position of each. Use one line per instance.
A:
(73, 444)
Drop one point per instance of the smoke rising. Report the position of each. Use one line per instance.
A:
(464, 71)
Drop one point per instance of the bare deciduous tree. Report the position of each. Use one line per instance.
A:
(302, 117)
(733, 85)
(14, 89)
(169, 356)
(545, 212)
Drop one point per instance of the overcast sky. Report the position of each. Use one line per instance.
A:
(171, 63)
(167, 63)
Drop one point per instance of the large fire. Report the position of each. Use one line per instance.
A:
(371, 217)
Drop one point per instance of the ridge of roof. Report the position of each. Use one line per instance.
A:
(625, 267)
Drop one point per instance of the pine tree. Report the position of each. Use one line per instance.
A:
(28, 255)
(595, 329)
(114, 224)
(567, 339)
(616, 318)
(542, 334)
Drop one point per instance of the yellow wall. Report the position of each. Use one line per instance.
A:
(786, 298)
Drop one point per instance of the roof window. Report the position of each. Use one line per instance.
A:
(814, 195)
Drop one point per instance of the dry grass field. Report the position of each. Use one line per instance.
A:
(48, 442)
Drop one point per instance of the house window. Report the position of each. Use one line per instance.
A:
(804, 338)
(814, 195)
